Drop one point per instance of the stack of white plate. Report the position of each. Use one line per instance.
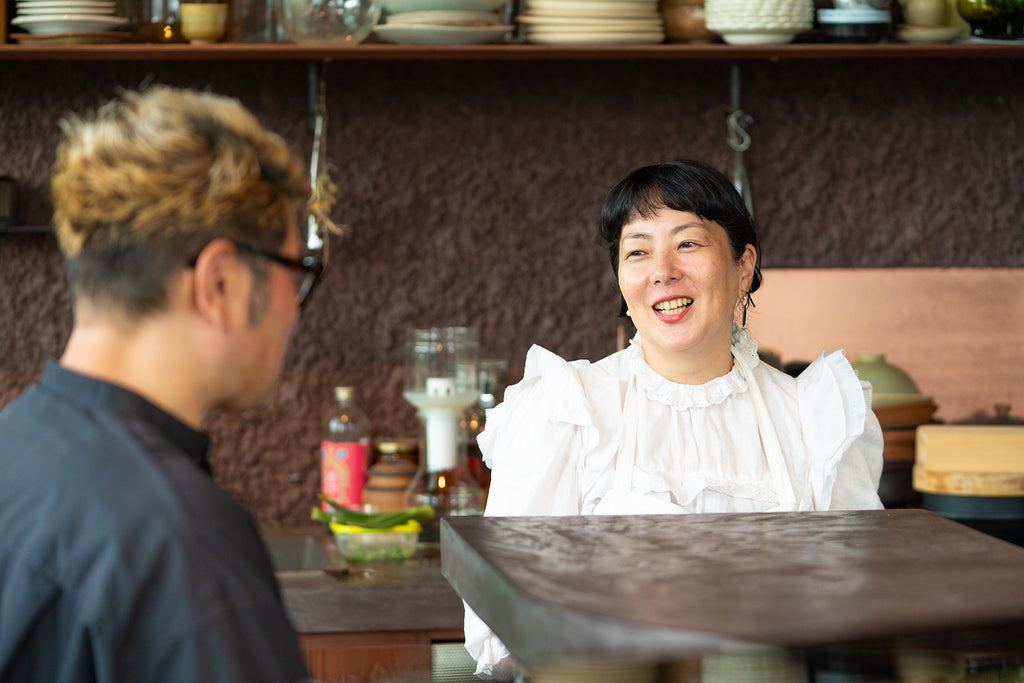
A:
(442, 27)
(49, 17)
(592, 22)
(759, 22)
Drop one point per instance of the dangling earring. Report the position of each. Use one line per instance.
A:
(747, 301)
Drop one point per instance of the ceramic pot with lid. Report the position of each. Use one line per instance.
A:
(890, 385)
(900, 408)
(1001, 416)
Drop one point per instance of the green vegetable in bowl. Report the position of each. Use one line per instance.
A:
(370, 520)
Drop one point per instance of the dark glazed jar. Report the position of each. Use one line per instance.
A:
(391, 474)
(158, 21)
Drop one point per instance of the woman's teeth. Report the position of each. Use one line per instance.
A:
(673, 305)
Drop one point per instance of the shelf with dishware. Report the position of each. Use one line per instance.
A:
(512, 51)
(508, 30)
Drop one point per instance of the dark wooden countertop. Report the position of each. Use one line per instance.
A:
(664, 587)
(392, 595)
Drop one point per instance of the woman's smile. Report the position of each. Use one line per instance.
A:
(673, 309)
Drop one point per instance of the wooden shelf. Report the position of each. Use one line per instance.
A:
(22, 229)
(378, 51)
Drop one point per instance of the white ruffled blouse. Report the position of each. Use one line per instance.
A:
(552, 443)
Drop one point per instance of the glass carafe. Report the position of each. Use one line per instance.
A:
(441, 381)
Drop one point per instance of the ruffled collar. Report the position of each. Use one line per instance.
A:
(683, 396)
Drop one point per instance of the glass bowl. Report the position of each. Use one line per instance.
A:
(360, 544)
(998, 19)
(327, 21)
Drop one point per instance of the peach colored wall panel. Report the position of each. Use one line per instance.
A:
(958, 332)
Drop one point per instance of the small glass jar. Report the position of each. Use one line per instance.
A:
(158, 21)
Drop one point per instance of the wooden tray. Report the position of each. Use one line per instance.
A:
(970, 460)
(969, 483)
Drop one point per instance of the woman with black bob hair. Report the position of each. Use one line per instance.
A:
(690, 186)
(686, 419)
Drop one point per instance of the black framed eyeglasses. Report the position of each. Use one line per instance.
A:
(311, 266)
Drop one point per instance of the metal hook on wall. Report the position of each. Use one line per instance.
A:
(738, 138)
(318, 123)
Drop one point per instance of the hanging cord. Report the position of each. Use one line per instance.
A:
(322, 197)
(738, 138)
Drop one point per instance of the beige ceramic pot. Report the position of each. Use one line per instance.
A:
(928, 13)
(889, 384)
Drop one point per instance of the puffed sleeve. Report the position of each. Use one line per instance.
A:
(843, 432)
(860, 471)
(533, 440)
(532, 443)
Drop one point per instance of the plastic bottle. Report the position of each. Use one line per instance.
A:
(345, 451)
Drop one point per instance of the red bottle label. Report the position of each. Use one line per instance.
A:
(343, 472)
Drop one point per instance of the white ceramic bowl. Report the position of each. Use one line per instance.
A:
(759, 22)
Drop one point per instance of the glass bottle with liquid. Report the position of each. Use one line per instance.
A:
(492, 382)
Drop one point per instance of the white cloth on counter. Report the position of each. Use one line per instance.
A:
(552, 444)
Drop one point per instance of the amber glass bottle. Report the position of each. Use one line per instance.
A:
(158, 21)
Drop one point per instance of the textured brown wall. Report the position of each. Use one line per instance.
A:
(472, 189)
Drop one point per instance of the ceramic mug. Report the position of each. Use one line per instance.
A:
(202, 22)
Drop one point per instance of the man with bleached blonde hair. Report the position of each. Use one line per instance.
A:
(121, 559)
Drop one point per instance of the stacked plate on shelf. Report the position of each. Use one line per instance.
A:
(67, 17)
(592, 22)
(442, 27)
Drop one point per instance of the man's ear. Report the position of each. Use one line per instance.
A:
(216, 282)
